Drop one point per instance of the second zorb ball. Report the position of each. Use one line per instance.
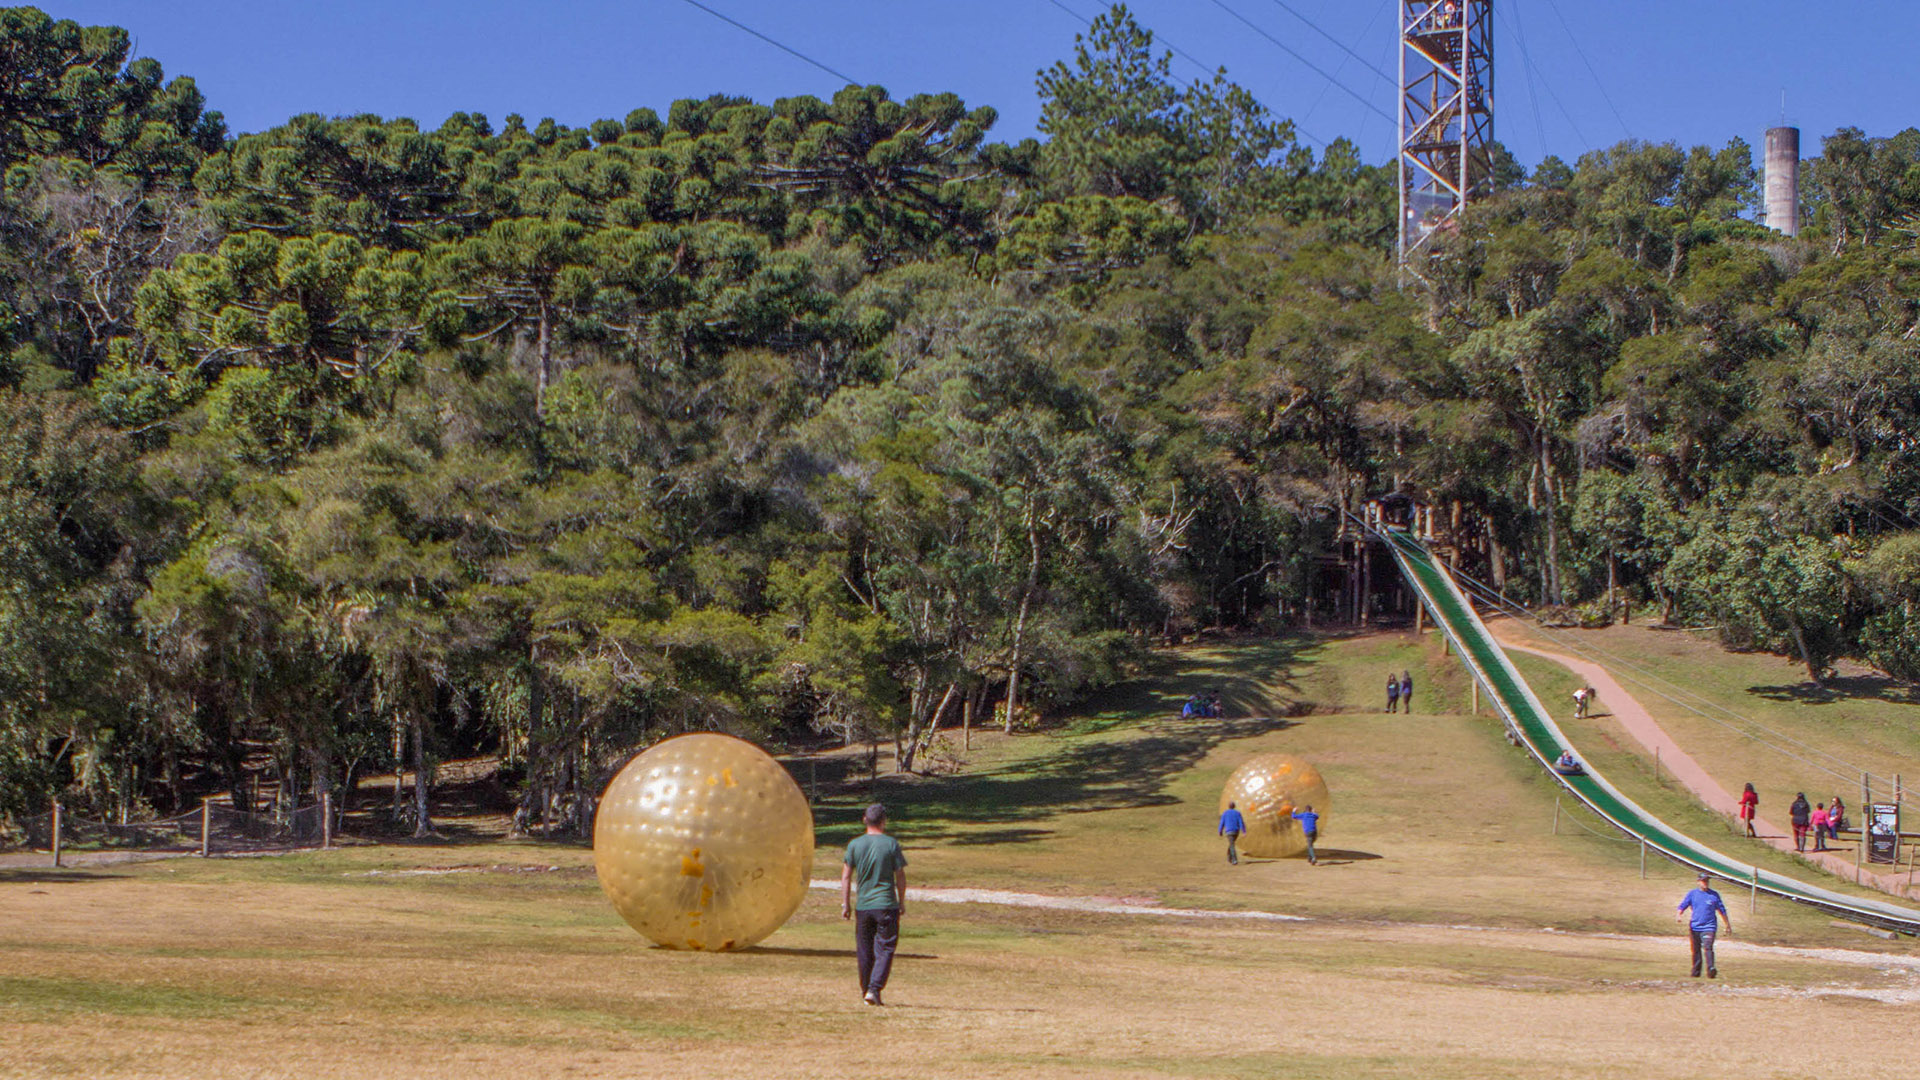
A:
(704, 842)
(1267, 790)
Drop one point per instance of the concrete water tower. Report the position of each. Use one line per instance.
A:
(1783, 180)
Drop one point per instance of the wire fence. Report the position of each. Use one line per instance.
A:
(212, 829)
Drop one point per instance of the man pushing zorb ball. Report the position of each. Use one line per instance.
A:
(704, 842)
(1268, 790)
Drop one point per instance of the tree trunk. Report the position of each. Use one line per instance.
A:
(399, 766)
(922, 732)
(545, 347)
(1613, 576)
(1800, 642)
(1026, 605)
(1555, 595)
(536, 718)
(422, 818)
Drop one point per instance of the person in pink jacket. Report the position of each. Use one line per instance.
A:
(1820, 827)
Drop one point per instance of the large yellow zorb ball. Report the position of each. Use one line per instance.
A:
(1268, 789)
(704, 842)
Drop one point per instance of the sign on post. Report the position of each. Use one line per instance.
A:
(1883, 833)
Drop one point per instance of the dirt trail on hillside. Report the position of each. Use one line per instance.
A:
(1645, 730)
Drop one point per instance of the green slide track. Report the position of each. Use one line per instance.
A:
(1542, 738)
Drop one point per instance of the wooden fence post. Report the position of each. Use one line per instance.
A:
(1643, 858)
(56, 832)
(1753, 896)
(1866, 811)
(326, 819)
(1556, 815)
(206, 825)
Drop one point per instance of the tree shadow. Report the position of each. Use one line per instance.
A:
(1121, 774)
(1000, 836)
(1842, 688)
(52, 876)
(1171, 677)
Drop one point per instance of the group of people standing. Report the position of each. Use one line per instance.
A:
(1823, 820)
(1400, 692)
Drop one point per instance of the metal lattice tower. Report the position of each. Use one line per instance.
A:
(1446, 114)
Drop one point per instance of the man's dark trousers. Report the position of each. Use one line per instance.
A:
(1703, 950)
(876, 933)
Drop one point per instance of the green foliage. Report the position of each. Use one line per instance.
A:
(351, 444)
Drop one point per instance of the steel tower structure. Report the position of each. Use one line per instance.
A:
(1446, 114)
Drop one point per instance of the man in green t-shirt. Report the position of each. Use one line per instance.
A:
(877, 864)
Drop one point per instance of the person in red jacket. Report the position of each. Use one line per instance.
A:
(1749, 805)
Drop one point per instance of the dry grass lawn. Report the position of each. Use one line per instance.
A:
(1451, 934)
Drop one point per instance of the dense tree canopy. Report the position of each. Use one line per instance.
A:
(351, 445)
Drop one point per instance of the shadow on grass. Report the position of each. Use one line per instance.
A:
(1082, 777)
(1244, 673)
(1842, 688)
(51, 876)
(835, 954)
(1341, 856)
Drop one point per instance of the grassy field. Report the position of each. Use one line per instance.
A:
(1808, 733)
(1450, 932)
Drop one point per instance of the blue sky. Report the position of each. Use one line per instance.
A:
(1693, 71)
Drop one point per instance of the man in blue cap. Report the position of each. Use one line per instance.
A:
(1707, 910)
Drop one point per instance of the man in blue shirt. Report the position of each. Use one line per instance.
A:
(875, 864)
(1705, 905)
(1310, 827)
(1231, 826)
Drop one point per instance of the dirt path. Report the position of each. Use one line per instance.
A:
(1645, 730)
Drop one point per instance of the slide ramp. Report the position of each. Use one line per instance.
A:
(1537, 733)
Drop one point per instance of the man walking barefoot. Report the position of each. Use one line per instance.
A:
(1231, 826)
(875, 862)
(1704, 906)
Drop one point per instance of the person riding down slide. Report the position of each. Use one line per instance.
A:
(1568, 765)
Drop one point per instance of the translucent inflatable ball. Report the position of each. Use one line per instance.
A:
(704, 842)
(1268, 789)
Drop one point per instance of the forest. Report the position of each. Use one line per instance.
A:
(349, 446)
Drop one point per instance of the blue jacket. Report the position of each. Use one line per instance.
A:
(1309, 821)
(1232, 822)
(1704, 902)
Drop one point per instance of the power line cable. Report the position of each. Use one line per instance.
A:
(1325, 88)
(1526, 60)
(1191, 59)
(1582, 53)
(1310, 65)
(1161, 38)
(1337, 43)
(848, 79)
(1526, 72)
